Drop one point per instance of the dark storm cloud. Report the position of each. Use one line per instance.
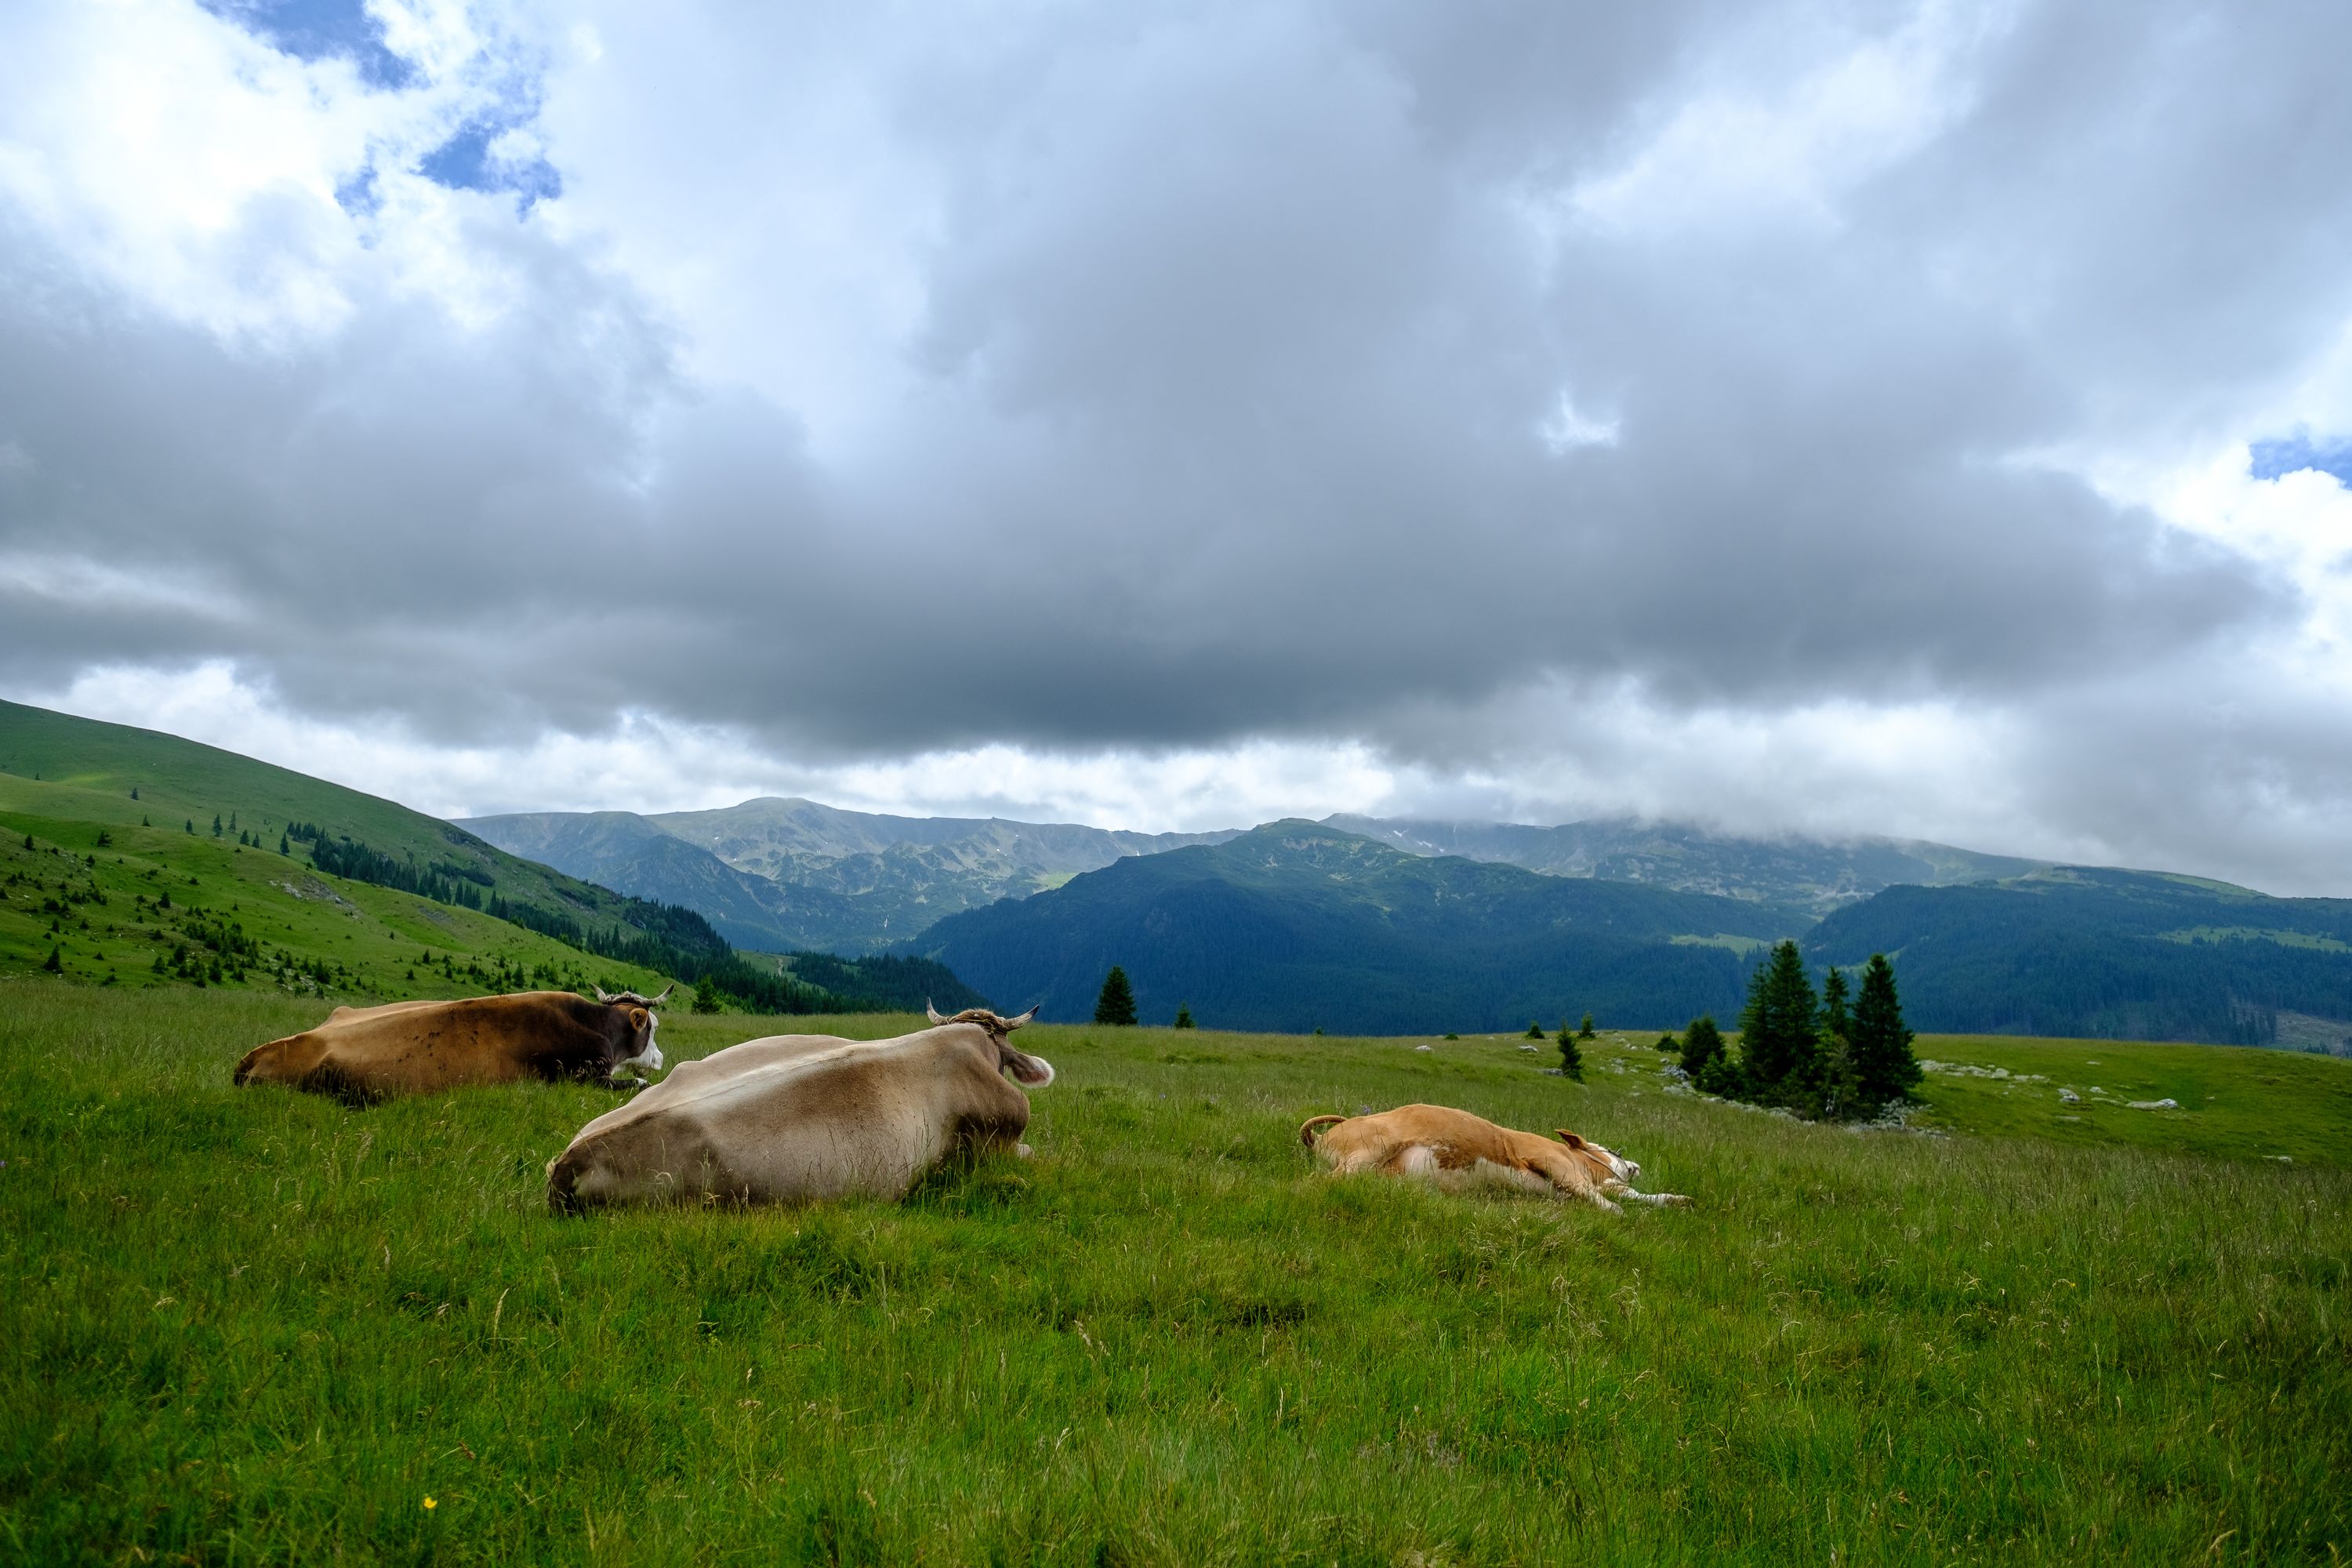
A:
(1239, 331)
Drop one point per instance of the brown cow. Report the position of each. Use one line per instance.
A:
(793, 1118)
(1454, 1147)
(364, 1054)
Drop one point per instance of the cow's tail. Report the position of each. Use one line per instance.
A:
(1315, 1124)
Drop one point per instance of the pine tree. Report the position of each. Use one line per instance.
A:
(1705, 1059)
(1779, 1029)
(55, 963)
(1116, 1005)
(1184, 1016)
(191, 826)
(134, 793)
(1835, 1022)
(1834, 1086)
(216, 825)
(28, 841)
(1885, 1069)
(1571, 1060)
(284, 848)
(1535, 1030)
(1585, 1031)
(1668, 1045)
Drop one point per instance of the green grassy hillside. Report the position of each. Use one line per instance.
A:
(252, 1326)
(145, 846)
(214, 912)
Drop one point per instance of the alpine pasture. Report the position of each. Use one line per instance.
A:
(254, 1326)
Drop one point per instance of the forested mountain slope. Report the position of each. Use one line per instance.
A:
(1813, 875)
(1296, 926)
(2126, 955)
(623, 850)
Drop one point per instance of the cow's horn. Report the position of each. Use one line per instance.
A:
(657, 1001)
(931, 1012)
(603, 995)
(1011, 1024)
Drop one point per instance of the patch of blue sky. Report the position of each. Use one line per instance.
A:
(2330, 455)
(360, 195)
(320, 29)
(464, 163)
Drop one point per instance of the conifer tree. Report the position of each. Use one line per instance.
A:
(1668, 1045)
(1572, 1059)
(1116, 1005)
(1779, 1029)
(1585, 1031)
(1707, 1060)
(55, 963)
(284, 848)
(1885, 1069)
(1834, 1083)
(1835, 1022)
(1535, 1030)
(216, 825)
(1184, 1017)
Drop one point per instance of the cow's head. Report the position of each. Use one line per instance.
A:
(1607, 1165)
(636, 1049)
(1034, 1071)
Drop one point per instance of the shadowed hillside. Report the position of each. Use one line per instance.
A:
(1299, 926)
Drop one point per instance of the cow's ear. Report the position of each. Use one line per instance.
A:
(1034, 1071)
(1565, 1136)
(637, 1016)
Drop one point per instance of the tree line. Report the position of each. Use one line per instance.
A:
(1830, 1055)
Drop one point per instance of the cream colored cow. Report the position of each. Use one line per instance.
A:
(1455, 1148)
(793, 1118)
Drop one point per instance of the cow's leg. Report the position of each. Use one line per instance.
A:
(1657, 1200)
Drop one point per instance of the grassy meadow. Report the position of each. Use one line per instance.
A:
(254, 1326)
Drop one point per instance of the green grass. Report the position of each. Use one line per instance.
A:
(2235, 1102)
(98, 905)
(252, 1326)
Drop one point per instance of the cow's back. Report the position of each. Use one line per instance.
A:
(419, 1047)
(786, 1119)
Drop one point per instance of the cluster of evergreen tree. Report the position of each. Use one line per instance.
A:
(363, 863)
(1830, 1055)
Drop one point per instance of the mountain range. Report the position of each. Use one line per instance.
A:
(789, 873)
(1297, 926)
(1352, 923)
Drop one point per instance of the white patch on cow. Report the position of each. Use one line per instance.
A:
(650, 1058)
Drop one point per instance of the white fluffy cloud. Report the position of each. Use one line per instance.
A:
(1826, 418)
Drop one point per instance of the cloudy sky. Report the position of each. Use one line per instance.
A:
(1833, 417)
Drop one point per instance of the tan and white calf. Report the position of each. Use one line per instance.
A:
(793, 1118)
(1455, 1148)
